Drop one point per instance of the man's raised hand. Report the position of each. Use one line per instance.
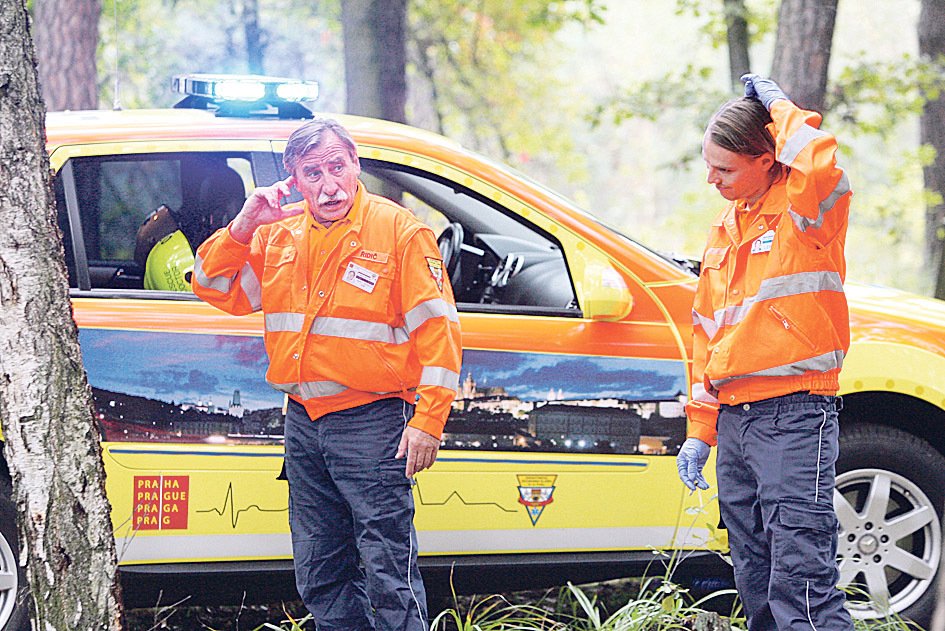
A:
(262, 207)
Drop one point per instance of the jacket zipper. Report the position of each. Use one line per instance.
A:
(791, 327)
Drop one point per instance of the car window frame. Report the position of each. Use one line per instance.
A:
(258, 153)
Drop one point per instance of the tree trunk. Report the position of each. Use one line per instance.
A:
(66, 41)
(375, 57)
(736, 23)
(932, 125)
(255, 36)
(802, 50)
(52, 448)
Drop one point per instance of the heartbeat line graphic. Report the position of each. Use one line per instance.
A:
(229, 506)
(460, 498)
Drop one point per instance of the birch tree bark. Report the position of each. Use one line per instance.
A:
(51, 446)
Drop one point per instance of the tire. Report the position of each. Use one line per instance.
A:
(14, 590)
(889, 500)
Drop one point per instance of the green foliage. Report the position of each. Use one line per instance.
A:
(493, 613)
(689, 89)
(871, 97)
(473, 68)
(761, 16)
(143, 43)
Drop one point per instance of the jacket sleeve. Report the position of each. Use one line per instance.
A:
(818, 191)
(703, 406)
(227, 272)
(433, 324)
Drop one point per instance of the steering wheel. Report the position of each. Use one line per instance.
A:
(450, 244)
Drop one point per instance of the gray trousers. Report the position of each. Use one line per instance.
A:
(351, 516)
(776, 470)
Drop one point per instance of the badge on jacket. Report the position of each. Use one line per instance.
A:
(436, 271)
(360, 277)
(763, 243)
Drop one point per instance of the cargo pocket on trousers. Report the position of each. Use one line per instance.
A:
(804, 540)
(395, 488)
(392, 472)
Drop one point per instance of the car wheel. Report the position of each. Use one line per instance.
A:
(888, 498)
(14, 610)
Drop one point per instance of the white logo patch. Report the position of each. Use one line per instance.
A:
(360, 277)
(763, 243)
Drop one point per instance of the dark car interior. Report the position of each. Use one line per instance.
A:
(125, 204)
(491, 256)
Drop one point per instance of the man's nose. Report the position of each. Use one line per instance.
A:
(712, 177)
(331, 184)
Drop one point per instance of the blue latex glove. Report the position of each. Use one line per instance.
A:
(691, 459)
(765, 90)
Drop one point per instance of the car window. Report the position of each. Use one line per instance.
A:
(143, 215)
(504, 263)
(496, 261)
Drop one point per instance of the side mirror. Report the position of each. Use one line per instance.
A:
(605, 295)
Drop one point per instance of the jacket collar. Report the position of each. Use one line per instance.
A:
(773, 202)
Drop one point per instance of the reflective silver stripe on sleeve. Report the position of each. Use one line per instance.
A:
(251, 287)
(291, 322)
(699, 393)
(433, 308)
(796, 143)
(217, 283)
(248, 282)
(708, 324)
(359, 330)
(780, 287)
(437, 376)
(803, 223)
(821, 363)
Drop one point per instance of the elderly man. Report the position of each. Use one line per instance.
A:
(362, 333)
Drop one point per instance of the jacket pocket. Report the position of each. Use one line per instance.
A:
(713, 258)
(279, 272)
(363, 293)
(791, 326)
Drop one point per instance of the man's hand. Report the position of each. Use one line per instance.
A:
(419, 447)
(690, 461)
(262, 207)
(765, 90)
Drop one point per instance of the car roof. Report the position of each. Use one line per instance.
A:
(150, 125)
(90, 126)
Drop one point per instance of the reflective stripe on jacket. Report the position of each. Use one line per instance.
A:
(770, 316)
(391, 329)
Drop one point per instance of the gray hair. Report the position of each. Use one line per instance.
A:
(310, 136)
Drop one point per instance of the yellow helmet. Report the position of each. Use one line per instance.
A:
(170, 264)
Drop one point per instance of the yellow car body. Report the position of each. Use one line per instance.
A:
(558, 462)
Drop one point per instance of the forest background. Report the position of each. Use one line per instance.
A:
(604, 101)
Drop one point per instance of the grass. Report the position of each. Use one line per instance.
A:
(651, 604)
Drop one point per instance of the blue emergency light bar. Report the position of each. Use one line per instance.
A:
(245, 95)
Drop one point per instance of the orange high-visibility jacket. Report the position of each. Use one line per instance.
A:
(378, 320)
(770, 316)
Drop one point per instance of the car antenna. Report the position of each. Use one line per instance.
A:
(116, 103)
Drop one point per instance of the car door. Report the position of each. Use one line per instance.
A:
(192, 436)
(563, 434)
